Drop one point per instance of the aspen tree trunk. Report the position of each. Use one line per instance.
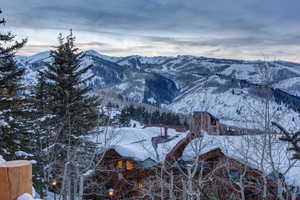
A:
(171, 187)
(265, 189)
(190, 185)
(15, 179)
(161, 185)
(81, 184)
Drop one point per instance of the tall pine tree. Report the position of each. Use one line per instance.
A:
(64, 108)
(74, 109)
(13, 128)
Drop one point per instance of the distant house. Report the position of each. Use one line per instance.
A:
(205, 121)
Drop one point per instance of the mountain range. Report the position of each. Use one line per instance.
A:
(225, 87)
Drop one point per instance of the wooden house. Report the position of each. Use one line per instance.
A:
(205, 121)
(124, 175)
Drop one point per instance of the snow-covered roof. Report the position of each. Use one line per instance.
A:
(136, 143)
(253, 151)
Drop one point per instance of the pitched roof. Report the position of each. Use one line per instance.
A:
(136, 143)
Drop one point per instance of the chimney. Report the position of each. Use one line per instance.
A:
(166, 131)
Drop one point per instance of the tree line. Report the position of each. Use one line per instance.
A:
(141, 114)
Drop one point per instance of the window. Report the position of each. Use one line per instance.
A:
(213, 121)
(120, 164)
(129, 165)
(140, 186)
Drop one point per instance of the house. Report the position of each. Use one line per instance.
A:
(125, 177)
(205, 121)
(139, 160)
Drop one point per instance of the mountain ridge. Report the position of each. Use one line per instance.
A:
(180, 82)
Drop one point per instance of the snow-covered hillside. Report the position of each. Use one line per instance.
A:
(226, 88)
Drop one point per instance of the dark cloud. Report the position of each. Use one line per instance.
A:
(182, 24)
(136, 15)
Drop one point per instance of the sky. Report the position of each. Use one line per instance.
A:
(238, 29)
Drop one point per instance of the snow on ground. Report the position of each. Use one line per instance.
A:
(1, 159)
(135, 124)
(111, 112)
(136, 143)
(237, 109)
(151, 100)
(291, 86)
(25, 197)
(23, 154)
(243, 71)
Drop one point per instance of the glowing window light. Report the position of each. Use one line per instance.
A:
(120, 164)
(140, 185)
(129, 165)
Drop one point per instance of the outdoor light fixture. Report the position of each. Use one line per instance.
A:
(111, 192)
(54, 183)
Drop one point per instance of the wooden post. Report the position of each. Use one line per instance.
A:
(15, 179)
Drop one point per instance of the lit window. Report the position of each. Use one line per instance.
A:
(140, 185)
(129, 165)
(120, 164)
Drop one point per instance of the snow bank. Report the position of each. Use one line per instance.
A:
(25, 197)
(135, 124)
(1, 159)
(23, 154)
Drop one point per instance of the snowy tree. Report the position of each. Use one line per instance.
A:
(65, 110)
(13, 106)
(292, 138)
(265, 151)
(74, 109)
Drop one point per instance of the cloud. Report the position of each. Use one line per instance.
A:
(233, 27)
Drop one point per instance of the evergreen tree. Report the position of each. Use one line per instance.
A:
(42, 132)
(155, 117)
(13, 113)
(40, 95)
(64, 109)
(75, 111)
(124, 118)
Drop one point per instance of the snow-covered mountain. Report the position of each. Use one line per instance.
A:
(224, 87)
